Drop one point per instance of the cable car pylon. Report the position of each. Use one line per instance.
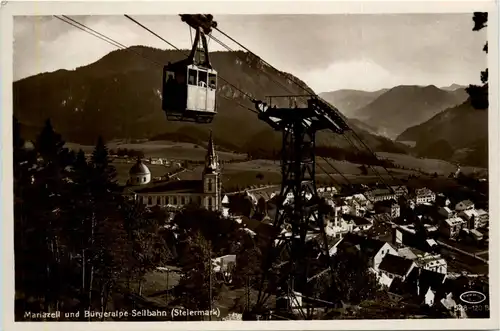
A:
(287, 264)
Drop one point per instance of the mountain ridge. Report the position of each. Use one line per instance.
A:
(350, 100)
(407, 105)
(461, 133)
(119, 96)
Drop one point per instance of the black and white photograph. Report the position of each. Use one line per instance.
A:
(203, 166)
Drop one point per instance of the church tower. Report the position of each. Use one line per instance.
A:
(212, 185)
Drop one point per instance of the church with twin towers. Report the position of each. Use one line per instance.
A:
(204, 192)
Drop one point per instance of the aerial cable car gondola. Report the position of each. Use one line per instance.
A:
(190, 85)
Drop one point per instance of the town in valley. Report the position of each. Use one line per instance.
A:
(126, 211)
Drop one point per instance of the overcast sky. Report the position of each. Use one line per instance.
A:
(328, 52)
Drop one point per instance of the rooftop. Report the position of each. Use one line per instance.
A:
(368, 246)
(471, 213)
(482, 212)
(423, 191)
(379, 192)
(408, 253)
(260, 228)
(447, 209)
(181, 186)
(396, 265)
(382, 218)
(399, 287)
(454, 221)
(399, 188)
(467, 203)
(359, 221)
(139, 169)
(432, 279)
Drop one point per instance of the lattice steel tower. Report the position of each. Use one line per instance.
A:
(288, 264)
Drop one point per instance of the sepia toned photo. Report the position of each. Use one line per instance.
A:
(209, 167)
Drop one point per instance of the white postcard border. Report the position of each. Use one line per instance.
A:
(9, 9)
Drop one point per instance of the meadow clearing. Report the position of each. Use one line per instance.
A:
(238, 173)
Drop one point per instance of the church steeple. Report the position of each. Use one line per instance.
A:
(211, 179)
(211, 161)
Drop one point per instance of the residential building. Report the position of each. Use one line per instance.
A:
(429, 283)
(390, 207)
(384, 218)
(356, 208)
(340, 225)
(446, 212)
(360, 223)
(425, 260)
(408, 235)
(403, 234)
(451, 227)
(400, 190)
(424, 195)
(483, 218)
(253, 227)
(472, 235)
(471, 217)
(375, 250)
(432, 262)
(380, 194)
(223, 267)
(394, 266)
(225, 206)
(327, 192)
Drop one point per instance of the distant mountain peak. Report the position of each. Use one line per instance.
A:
(453, 87)
(462, 127)
(407, 105)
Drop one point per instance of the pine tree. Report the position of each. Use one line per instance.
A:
(107, 236)
(104, 173)
(199, 283)
(26, 272)
(148, 247)
(43, 195)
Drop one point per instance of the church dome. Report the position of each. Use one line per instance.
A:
(139, 169)
(139, 174)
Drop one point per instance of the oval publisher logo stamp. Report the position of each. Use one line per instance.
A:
(472, 297)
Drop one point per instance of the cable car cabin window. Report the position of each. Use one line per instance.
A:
(192, 77)
(170, 77)
(180, 78)
(212, 81)
(202, 78)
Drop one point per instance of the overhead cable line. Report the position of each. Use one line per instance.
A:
(244, 60)
(119, 45)
(173, 46)
(288, 91)
(99, 35)
(356, 135)
(263, 61)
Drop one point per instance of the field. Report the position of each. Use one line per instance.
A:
(163, 149)
(240, 173)
(428, 165)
